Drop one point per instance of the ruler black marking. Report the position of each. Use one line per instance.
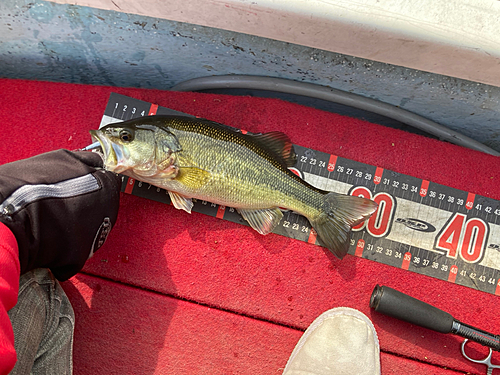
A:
(420, 226)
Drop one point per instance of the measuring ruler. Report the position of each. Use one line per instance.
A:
(420, 226)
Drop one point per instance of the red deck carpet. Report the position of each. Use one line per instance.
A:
(172, 293)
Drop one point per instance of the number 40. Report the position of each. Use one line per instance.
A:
(465, 237)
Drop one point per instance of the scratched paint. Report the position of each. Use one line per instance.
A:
(46, 41)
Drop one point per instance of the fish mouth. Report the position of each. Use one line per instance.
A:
(113, 155)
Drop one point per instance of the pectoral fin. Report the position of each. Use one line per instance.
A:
(263, 221)
(192, 177)
(180, 202)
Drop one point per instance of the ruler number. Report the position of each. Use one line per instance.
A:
(380, 250)
(379, 224)
(294, 226)
(467, 238)
(350, 172)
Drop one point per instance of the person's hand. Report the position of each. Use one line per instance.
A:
(60, 206)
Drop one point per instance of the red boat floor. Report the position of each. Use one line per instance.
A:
(173, 293)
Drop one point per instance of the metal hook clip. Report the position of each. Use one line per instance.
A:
(486, 361)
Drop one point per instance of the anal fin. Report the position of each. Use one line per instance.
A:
(264, 220)
(180, 202)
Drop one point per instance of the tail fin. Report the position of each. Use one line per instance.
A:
(339, 214)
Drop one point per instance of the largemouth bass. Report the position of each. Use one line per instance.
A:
(197, 158)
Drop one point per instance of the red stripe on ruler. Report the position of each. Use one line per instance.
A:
(378, 175)
(359, 248)
(130, 185)
(153, 109)
(331, 163)
(312, 236)
(452, 276)
(220, 212)
(406, 261)
(470, 201)
(424, 188)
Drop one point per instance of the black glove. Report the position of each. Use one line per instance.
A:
(60, 206)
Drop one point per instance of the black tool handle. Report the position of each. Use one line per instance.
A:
(390, 302)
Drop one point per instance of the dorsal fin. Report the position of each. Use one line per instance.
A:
(279, 145)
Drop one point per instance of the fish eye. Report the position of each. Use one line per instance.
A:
(126, 136)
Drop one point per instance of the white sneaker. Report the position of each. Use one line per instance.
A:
(340, 341)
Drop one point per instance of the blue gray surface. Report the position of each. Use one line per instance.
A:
(45, 41)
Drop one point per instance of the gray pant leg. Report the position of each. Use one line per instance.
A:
(43, 322)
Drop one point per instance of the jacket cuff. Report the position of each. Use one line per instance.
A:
(8, 247)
